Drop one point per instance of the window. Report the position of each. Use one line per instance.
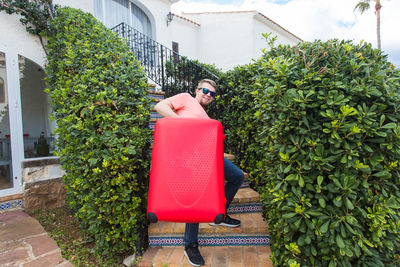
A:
(175, 50)
(140, 21)
(113, 12)
(117, 11)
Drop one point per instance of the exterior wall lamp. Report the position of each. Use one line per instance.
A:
(170, 16)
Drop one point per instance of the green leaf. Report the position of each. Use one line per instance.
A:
(390, 125)
(339, 241)
(287, 169)
(314, 213)
(320, 179)
(324, 228)
(322, 202)
(348, 204)
(301, 181)
(382, 174)
(92, 161)
(289, 215)
(291, 177)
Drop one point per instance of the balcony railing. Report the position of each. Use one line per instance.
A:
(173, 72)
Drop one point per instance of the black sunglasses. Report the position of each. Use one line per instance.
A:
(206, 91)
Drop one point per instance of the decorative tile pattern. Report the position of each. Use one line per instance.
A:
(12, 204)
(245, 208)
(155, 115)
(212, 241)
(245, 184)
(160, 97)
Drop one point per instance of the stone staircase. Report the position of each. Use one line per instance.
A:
(247, 245)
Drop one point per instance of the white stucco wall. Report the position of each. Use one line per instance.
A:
(262, 25)
(16, 38)
(84, 5)
(228, 39)
(224, 39)
(185, 33)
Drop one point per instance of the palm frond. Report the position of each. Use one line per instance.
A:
(362, 6)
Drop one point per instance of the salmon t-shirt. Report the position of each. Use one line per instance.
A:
(187, 106)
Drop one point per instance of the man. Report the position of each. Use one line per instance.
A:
(184, 105)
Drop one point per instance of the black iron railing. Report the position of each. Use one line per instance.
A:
(173, 72)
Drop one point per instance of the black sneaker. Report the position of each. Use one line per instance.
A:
(193, 254)
(229, 222)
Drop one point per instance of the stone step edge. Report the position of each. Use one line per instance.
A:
(10, 197)
(214, 240)
(157, 256)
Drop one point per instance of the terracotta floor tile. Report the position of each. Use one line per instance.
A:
(220, 257)
(248, 225)
(162, 256)
(179, 228)
(154, 228)
(167, 228)
(235, 257)
(263, 254)
(207, 253)
(250, 257)
(176, 257)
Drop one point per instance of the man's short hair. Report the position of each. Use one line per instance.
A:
(211, 82)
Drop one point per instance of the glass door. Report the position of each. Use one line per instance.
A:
(6, 174)
(11, 146)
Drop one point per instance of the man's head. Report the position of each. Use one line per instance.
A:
(205, 92)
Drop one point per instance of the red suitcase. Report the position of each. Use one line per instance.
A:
(187, 171)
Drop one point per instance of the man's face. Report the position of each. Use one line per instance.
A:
(204, 99)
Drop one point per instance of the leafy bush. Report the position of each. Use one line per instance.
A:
(235, 110)
(98, 92)
(325, 154)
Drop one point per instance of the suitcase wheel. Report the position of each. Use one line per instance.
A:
(152, 217)
(219, 218)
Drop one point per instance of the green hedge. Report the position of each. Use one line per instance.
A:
(98, 92)
(321, 125)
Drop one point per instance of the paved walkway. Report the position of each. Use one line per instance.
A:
(24, 243)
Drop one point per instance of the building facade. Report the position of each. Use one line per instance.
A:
(27, 163)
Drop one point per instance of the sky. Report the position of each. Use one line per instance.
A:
(318, 19)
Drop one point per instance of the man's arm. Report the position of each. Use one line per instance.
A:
(165, 109)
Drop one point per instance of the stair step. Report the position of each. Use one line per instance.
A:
(246, 195)
(252, 223)
(156, 98)
(250, 256)
(155, 92)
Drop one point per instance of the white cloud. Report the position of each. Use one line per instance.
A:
(319, 19)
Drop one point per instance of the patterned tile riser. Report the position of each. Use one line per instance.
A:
(212, 241)
(12, 204)
(156, 96)
(155, 115)
(245, 208)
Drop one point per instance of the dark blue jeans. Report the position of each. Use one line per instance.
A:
(234, 178)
